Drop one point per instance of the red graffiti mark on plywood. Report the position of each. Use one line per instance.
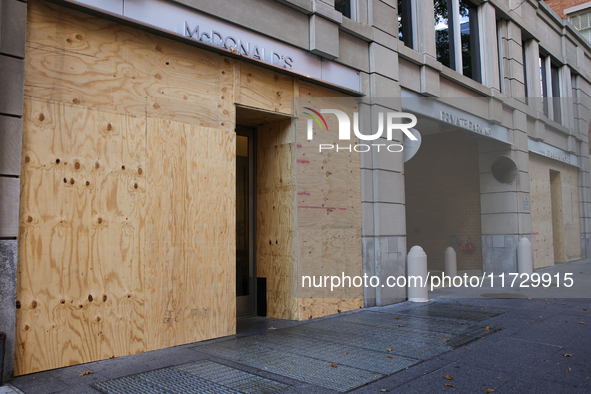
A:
(333, 208)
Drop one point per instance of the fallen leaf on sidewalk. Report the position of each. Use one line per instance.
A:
(272, 328)
(581, 322)
(445, 339)
(585, 309)
(448, 377)
(398, 318)
(530, 298)
(399, 325)
(449, 385)
(489, 390)
(85, 373)
(486, 329)
(389, 350)
(333, 365)
(541, 317)
(389, 357)
(384, 390)
(568, 355)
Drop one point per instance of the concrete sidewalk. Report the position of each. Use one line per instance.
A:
(540, 345)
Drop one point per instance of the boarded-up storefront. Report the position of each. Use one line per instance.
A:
(127, 219)
(555, 211)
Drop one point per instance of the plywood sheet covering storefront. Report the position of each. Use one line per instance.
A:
(128, 193)
(190, 234)
(80, 294)
(554, 206)
(276, 260)
(127, 234)
(328, 208)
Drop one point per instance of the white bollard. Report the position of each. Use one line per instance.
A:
(525, 261)
(450, 263)
(416, 266)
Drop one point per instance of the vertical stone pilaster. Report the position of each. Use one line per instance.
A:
(534, 90)
(489, 46)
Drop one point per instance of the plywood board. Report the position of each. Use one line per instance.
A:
(308, 89)
(265, 89)
(541, 210)
(188, 85)
(127, 220)
(80, 281)
(83, 60)
(82, 293)
(317, 307)
(76, 58)
(328, 207)
(190, 251)
(274, 218)
(557, 216)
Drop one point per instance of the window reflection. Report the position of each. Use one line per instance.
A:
(344, 7)
(442, 39)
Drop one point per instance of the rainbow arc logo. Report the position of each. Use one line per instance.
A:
(315, 116)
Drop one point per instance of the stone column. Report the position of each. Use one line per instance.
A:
(489, 46)
(506, 212)
(532, 65)
(384, 223)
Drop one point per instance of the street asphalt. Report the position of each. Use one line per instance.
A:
(482, 344)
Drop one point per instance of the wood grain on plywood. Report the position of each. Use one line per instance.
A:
(80, 279)
(317, 307)
(265, 89)
(76, 58)
(308, 89)
(190, 233)
(127, 233)
(328, 207)
(274, 218)
(565, 203)
(189, 85)
(85, 181)
(80, 59)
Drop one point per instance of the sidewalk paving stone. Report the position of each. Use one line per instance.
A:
(508, 345)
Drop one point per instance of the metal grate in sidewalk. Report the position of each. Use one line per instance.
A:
(200, 377)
